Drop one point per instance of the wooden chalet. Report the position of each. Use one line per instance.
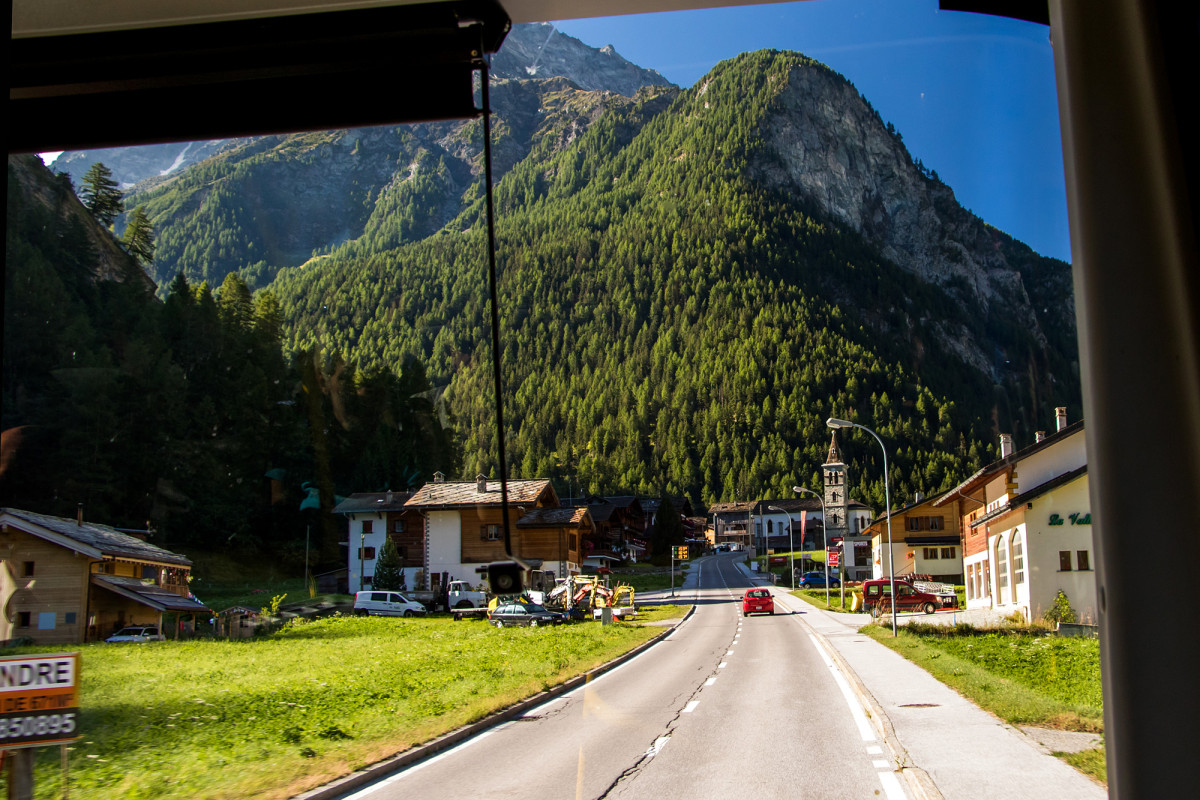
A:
(64, 581)
(464, 526)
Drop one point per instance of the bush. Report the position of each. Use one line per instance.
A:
(1060, 610)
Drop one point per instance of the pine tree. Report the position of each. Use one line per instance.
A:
(388, 574)
(101, 195)
(139, 237)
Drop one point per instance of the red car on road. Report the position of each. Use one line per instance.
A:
(757, 601)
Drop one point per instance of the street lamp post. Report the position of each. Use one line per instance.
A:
(791, 545)
(824, 542)
(835, 423)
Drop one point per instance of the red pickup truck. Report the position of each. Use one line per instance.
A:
(910, 596)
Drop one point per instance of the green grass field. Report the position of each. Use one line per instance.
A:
(273, 716)
(1023, 677)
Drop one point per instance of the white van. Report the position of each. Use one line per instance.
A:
(386, 604)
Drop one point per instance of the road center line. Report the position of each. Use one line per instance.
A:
(691, 706)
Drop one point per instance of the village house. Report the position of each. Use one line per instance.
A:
(1026, 526)
(926, 542)
(730, 524)
(64, 581)
(620, 530)
(464, 529)
(374, 517)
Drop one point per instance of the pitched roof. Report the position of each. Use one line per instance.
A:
(363, 502)
(730, 508)
(1025, 497)
(89, 538)
(991, 470)
(460, 494)
(553, 517)
(155, 597)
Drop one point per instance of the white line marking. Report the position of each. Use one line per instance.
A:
(728, 652)
(657, 747)
(856, 710)
(711, 681)
(891, 786)
(369, 790)
(880, 763)
(722, 665)
(691, 706)
(874, 750)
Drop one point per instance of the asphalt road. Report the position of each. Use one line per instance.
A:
(726, 706)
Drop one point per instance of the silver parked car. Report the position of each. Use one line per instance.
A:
(137, 633)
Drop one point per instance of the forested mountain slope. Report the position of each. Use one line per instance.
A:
(688, 291)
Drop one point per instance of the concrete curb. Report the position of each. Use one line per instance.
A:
(918, 780)
(411, 756)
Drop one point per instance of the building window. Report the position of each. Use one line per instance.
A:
(1064, 560)
(1018, 552)
(398, 526)
(47, 620)
(936, 524)
(770, 527)
(1001, 565)
(366, 581)
(366, 554)
(490, 533)
(931, 554)
(368, 526)
(1081, 557)
(23, 619)
(27, 570)
(69, 618)
(947, 552)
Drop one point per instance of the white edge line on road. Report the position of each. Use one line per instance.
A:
(891, 786)
(367, 791)
(856, 709)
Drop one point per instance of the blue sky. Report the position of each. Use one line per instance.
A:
(972, 95)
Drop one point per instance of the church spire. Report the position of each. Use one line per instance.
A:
(835, 452)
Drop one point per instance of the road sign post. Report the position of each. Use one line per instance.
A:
(39, 705)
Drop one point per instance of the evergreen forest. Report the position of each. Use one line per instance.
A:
(671, 323)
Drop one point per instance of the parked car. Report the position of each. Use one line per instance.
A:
(757, 601)
(531, 614)
(139, 633)
(909, 597)
(816, 580)
(386, 604)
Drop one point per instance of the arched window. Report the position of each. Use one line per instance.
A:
(1001, 569)
(1018, 557)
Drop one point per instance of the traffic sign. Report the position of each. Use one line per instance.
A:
(833, 558)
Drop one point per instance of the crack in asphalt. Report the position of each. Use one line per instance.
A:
(660, 741)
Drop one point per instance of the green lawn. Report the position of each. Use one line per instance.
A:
(1025, 677)
(272, 716)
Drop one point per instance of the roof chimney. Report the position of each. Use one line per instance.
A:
(1060, 417)
(1039, 436)
(438, 477)
(389, 497)
(1006, 445)
(79, 514)
(481, 483)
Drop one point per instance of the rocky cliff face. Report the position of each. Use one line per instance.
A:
(825, 143)
(534, 51)
(541, 51)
